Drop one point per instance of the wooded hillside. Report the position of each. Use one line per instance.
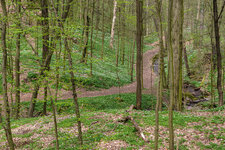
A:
(112, 74)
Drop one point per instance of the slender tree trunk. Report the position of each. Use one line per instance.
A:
(45, 53)
(113, 24)
(139, 21)
(45, 99)
(54, 118)
(218, 53)
(161, 64)
(97, 14)
(6, 124)
(84, 59)
(17, 62)
(92, 30)
(180, 53)
(171, 131)
(58, 57)
(186, 62)
(123, 32)
(46, 62)
(161, 54)
(103, 30)
(132, 62)
(74, 92)
(118, 40)
(213, 62)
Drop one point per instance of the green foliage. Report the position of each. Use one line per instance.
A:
(32, 76)
(0, 83)
(211, 146)
(99, 117)
(98, 103)
(151, 38)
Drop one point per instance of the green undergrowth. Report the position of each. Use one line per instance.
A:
(100, 117)
(105, 74)
(101, 103)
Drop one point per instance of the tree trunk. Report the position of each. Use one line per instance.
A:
(161, 64)
(86, 39)
(139, 21)
(55, 119)
(180, 53)
(218, 53)
(46, 62)
(103, 30)
(171, 131)
(213, 61)
(118, 40)
(17, 62)
(132, 63)
(75, 99)
(123, 32)
(6, 123)
(92, 30)
(45, 53)
(186, 62)
(97, 14)
(113, 24)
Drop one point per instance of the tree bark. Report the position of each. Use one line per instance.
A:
(17, 62)
(103, 30)
(92, 30)
(45, 53)
(86, 30)
(113, 24)
(54, 118)
(75, 99)
(218, 53)
(186, 62)
(139, 22)
(171, 131)
(161, 64)
(6, 123)
(132, 63)
(180, 53)
(46, 62)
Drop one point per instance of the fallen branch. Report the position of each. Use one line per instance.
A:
(129, 117)
(93, 123)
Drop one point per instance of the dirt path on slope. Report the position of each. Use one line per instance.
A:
(129, 88)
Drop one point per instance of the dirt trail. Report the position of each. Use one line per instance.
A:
(129, 88)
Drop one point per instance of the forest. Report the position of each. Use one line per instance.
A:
(112, 74)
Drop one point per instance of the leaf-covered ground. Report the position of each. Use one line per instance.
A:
(102, 129)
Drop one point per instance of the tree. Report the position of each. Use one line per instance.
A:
(46, 58)
(74, 91)
(92, 30)
(17, 61)
(139, 26)
(86, 31)
(218, 53)
(170, 20)
(6, 123)
(113, 24)
(45, 46)
(103, 29)
(161, 63)
(180, 53)
(46, 62)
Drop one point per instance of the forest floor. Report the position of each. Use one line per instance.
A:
(148, 82)
(102, 127)
(101, 115)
